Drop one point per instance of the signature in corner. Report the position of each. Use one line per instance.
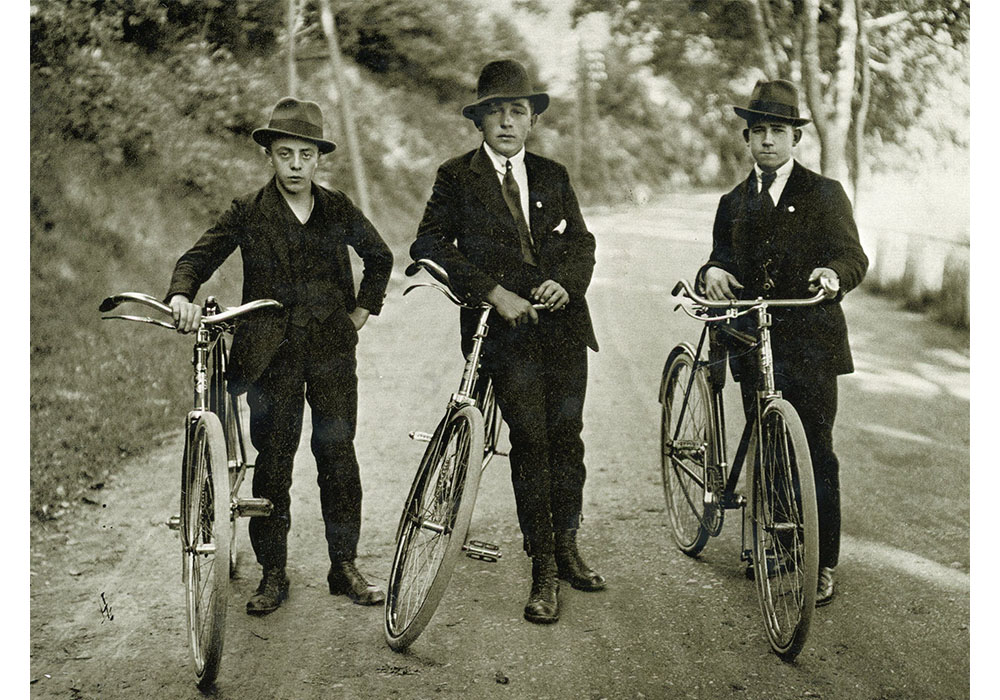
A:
(106, 610)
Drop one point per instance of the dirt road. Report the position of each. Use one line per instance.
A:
(107, 615)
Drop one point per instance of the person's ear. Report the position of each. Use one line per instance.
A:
(746, 135)
(796, 137)
(534, 118)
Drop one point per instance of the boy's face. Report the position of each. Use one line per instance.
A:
(771, 143)
(506, 124)
(294, 162)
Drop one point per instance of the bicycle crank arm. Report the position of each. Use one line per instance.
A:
(253, 507)
(420, 436)
(483, 551)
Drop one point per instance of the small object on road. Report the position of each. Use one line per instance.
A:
(502, 678)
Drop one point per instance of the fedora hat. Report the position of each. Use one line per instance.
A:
(504, 80)
(773, 99)
(296, 119)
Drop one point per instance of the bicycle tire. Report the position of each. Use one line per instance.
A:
(434, 525)
(205, 531)
(784, 529)
(686, 447)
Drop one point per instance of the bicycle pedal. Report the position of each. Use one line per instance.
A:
(174, 522)
(253, 507)
(420, 436)
(483, 551)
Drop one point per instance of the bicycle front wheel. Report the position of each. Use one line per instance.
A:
(206, 532)
(686, 448)
(784, 529)
(434, 525)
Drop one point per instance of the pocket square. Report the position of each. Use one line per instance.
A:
(560, 227)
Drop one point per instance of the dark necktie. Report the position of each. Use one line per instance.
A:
(512, 195)
(766, 203)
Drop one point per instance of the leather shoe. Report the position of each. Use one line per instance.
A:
(824, 586)
(273, 589)
(571, 566)
(543, 602)
(345, 579)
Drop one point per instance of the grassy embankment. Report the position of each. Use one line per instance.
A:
(102, 391)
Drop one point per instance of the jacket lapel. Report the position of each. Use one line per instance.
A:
(273, 207)
(540, 200)
(785, 214)
(486, 185)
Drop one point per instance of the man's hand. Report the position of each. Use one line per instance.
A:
(514, 309)
(552, 294)
(359, 317)
(187, 316)
(720, 285)
(826, 279)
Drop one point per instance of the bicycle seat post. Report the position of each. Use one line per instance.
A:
(768, 389)
(471, 371)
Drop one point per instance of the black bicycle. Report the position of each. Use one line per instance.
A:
(433, 529)
(212, 471)
(700, 485)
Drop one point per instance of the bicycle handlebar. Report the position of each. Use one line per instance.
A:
(222, 317)
(688, 291)
(441, 275)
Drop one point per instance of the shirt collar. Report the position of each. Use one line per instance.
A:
(781, 174)
(500, 161)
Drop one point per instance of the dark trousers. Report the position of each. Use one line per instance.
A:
(305, 368)
(540, 382)
(815, 400)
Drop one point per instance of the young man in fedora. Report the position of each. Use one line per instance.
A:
(787, 232)
(293, 236)
(506, 226)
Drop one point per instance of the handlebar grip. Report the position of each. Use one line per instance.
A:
(678, 288)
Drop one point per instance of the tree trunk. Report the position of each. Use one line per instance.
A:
(344, 100)
(831, 115)
(864, 102)
(762, 33)
(293, 76)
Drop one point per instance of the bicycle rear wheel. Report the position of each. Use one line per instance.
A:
(784, 529)
(686, 448)
(434, 525)
(205, 531)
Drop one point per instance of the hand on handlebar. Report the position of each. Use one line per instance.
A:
(552, 294)
(187, 316)
(514, 309)
(720, 285)
(826, 279)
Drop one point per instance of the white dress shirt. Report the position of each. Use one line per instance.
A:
(520, 175)
(781, 178)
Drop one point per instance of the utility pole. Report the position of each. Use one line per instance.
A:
(347, 116)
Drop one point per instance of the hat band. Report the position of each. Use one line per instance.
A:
(779, 108)
(297, 126)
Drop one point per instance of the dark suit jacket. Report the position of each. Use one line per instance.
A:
(811, 226)
(256, 223)
(469, 231)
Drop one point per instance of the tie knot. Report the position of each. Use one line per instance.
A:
(508, 166)
(767, 178)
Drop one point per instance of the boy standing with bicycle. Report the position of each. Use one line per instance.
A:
(293, 236)
(787, 232)
(506, 226)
